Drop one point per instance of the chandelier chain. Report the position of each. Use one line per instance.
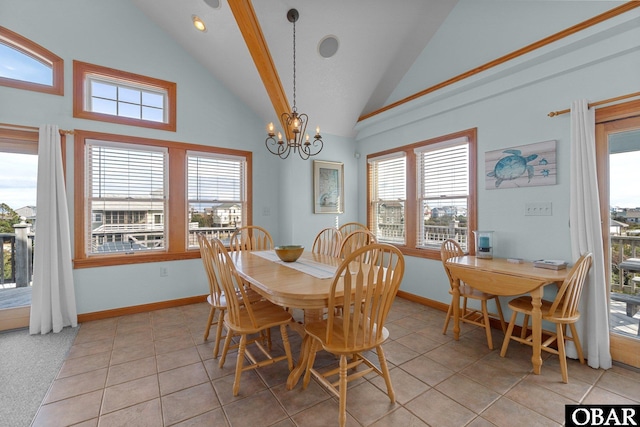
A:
(294, 66)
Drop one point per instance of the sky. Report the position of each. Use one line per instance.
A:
(625, 191)
(18, 179)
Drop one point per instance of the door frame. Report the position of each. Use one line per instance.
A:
(613, 119)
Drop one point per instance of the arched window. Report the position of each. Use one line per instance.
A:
(27, 65)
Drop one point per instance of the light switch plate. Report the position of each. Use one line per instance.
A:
(537, 209)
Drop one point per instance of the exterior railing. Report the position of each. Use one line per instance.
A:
(17, 256)
(434, 235)
(623, 248)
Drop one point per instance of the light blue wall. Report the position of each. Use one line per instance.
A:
(509, 105)
(116, 34)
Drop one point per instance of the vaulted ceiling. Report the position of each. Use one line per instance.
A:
(248, 46)
(378, 41)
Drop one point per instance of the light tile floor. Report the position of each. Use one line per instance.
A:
(154, 369)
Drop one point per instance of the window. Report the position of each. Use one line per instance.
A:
(116, 96)
(27, 65)
(424, 193)
(216, 186)
(125, 184)
(143, 200)
(389, 188)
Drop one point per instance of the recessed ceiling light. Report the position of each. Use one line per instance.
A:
(199, 24)
(214, 4)
(328, 46)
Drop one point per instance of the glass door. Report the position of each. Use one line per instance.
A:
(18, 173)
(618, 148)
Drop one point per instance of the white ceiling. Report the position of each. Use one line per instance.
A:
(378, 42)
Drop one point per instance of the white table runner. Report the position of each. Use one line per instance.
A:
(313, 268)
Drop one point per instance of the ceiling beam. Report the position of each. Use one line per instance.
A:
(249, 26)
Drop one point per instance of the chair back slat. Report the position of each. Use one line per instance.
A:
(450, 249)
(355, 240)
(348, 227)
(365, 285)
(565, 305)
(250, 238)
(231, 283)
(206, 254)
(327, 242)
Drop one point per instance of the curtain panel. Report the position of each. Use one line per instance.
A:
(586, 236)
(53, 303)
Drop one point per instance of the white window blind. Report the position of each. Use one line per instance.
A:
(126, 190)
(387, 175)
(217, 194)
(443, 192)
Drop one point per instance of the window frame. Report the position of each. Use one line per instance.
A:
(410, 247)
(39, 53)
(176, 217)
(82, 71)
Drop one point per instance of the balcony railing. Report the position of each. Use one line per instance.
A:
(17, 256)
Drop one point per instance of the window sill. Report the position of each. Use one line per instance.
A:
(135, 258)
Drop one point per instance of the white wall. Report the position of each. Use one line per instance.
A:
(509, 105)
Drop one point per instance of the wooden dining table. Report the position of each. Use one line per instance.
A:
(500, 277)
(283, 284)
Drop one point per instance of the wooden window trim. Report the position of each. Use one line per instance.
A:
(80, 71)
(38, 53)
(411, 210)
(176, 208)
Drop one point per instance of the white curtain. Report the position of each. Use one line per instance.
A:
(53, 301)
(586, 236)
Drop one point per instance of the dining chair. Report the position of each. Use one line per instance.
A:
(247, 319)
(327, 242)
(562, 311)
(348, 227)
(449, 249)
(366, 290)
(216, 298)
(250, 238)
(356, 239)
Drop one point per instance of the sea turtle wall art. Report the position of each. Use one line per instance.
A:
(521, 166)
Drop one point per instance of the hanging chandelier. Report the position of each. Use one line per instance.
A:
(295, 124)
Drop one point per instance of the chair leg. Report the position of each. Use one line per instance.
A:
(239, 363)
(212, 313)
(343, 391)
(447, 318)
(561, 353)
(310, 357)
(487, 324)
(525, 327)
(499, 308)
(225, 348)
(576, 341)
(218, 333)
(507, 335)
(287, 346)
(384, 368)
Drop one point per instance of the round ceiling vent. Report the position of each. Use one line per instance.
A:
(328, 46)
(214, 4)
